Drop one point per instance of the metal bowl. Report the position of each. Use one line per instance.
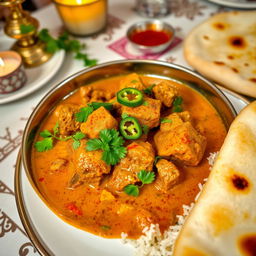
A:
(155, 25)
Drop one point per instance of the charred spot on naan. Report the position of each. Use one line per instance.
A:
(237, 42)
(240, 183)
(221, 218)
(220, 25)
(247, 244)
(253, 79)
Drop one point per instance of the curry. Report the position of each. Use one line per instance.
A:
(124, 152)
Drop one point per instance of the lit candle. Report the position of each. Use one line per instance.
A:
(82, 17)
(12, 74)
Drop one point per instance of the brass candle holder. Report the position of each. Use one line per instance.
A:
(28, 45)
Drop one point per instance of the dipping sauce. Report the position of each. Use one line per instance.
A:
(150, 37)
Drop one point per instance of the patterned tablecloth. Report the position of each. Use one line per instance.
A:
(107, 46)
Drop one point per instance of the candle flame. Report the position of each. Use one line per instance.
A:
(1, 62)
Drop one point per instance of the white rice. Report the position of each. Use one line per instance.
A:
(153, 242)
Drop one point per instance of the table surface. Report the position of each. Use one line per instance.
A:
(106, 46)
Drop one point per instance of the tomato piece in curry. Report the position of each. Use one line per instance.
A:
(89, 194)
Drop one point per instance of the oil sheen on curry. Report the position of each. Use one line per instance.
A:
(125, 152)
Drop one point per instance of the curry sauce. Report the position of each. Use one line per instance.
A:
(104, 210)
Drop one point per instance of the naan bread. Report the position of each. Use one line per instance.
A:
(223, 49)
(223, 220)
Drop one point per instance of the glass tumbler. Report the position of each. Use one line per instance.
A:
(152, 8)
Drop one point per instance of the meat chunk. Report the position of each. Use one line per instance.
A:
(147, 114)
(66, 118)
(58, 164)
(133, 81)
(100, 119)
(89, 168)
(176, 119)
(140, 156)
(89, 94)
(183, 143)
(168, 175)
(165, 92)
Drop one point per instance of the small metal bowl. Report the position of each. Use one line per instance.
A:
(155, 25)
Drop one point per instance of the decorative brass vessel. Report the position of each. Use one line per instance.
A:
(28, 44)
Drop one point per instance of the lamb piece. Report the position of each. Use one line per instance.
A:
(100, 119)
(88, 94)
(147, 113)
(165, 92)
(140, 156)
(132, 80)
(176, 119)
(168, 175)
(89, 168)
(183, 143)
(66, 118)
(58, 164)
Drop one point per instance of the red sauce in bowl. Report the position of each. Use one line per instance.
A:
(150, 37)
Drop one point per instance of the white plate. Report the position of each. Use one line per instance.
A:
(37, 76)
(52, 236)
(243, 4)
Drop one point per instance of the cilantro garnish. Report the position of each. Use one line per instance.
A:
(96, 105)
(145, 103)
(134, 81)
(145, 129)
(149, 89)
(67, 44)
(157, 158)
(132, 190)
(124, 115)
(145, 177)
(112, 145)
(165, 120)
(83, 114)
(24, 29)
(176, 106)
(47, 142)
(105, 227)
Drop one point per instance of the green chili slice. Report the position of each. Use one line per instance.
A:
(130, 97)
(130, 128)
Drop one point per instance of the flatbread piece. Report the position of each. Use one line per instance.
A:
(223, 49)
(223, 220)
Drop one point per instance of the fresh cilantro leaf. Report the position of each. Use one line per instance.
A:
(44, 145)
(149, 89)
(134, 81)
(124, 115)
(157, 158)
(96, 105)
(93, 144)
(146, 177)
(78, 136)
(105, 227)
(83, 114)
(165, 120)
(145, 129)
(112, 145)
(76, 144)
(132, 190)
(24, 29)
(67, 44)
(177, 104)
(145, 103)
(45, 134)
(56, 129)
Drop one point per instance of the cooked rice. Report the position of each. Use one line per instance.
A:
(153, 242)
